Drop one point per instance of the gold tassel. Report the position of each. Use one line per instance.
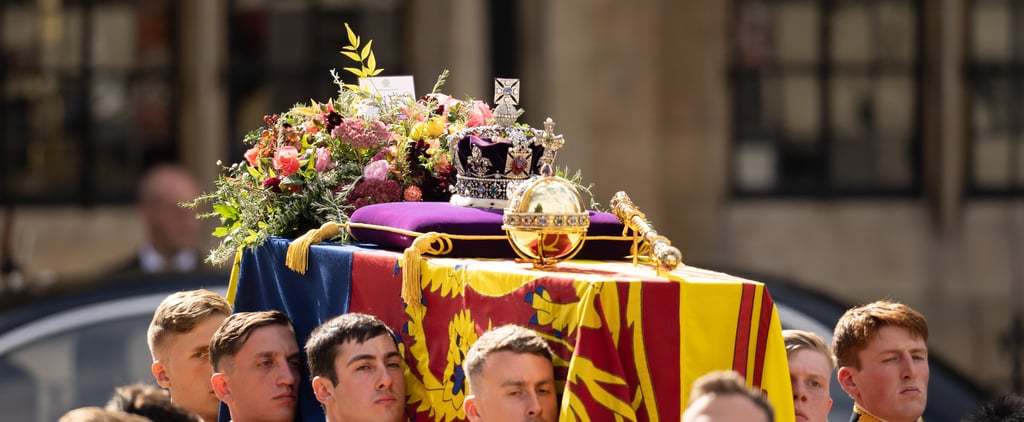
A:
(297, 257)
(233, 279)
(412, 292)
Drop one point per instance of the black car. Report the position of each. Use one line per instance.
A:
(71, 350)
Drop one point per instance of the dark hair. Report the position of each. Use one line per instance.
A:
(179, 313)
(151, 402)
(326, 340)
(858, 325)
(1008, 408)
(729, 382)
(508, 338)
(235, 331)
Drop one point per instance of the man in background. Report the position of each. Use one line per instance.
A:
(179, 340)
(171, 231)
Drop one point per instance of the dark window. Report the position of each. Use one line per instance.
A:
(825, 97)
(282, 54)
(87, 97)
(995, 69)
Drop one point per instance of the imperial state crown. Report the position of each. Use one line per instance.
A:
(490, 159)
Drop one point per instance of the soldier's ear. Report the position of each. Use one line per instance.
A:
(160, 373)
(323, 388)
(847, 380)
(469, 406)
(221, 387)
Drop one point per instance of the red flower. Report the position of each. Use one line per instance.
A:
(375, 192)
(273, 183)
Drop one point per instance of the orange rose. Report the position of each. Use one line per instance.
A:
(286, 160)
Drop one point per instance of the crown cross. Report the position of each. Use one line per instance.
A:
(506, 98)
(506, 91)
(517, 164)
(551, 142)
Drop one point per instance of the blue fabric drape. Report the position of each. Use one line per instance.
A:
(265, 283)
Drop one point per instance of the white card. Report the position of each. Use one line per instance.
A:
(394, 90)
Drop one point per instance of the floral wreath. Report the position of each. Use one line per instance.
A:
(318, 162)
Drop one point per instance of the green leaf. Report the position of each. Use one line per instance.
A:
(355, 71)
(353, 40)
(366, 50)
(351, 55)
(293, 180)
(254, 172)
(226, 211)
(220, 231)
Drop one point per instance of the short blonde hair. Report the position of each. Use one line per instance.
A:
(800, 340)
(179, 313)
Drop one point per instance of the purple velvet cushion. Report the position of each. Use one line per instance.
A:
(442, 217)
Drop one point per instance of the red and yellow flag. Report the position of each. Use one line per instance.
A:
(628, 343)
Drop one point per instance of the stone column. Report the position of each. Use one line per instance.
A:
(203, 93)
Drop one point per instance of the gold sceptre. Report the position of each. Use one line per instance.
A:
(668, 256)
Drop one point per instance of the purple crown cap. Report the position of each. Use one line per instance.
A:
(489, 158)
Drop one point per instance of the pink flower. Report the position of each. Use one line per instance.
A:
(446, 102)
(323, 160)
(412, 194)
(413, 114)
(310, 127)
(361, 134)
(253, 156)
(442, 163)
(286, 160)
(479, 114)
(377, 170)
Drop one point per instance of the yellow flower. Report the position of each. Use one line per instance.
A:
(417, 131)
(435, 126)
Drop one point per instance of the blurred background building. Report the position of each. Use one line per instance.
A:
(862, 149)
